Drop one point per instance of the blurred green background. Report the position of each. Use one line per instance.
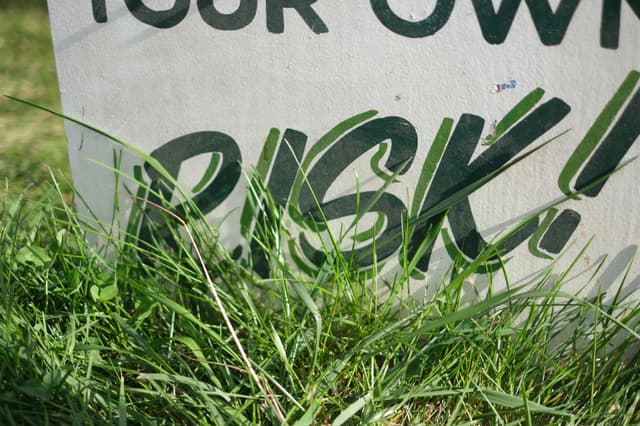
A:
(30, 140)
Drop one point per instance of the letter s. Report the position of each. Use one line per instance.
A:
(345, 151)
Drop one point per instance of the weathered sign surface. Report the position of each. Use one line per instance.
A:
(384, 107)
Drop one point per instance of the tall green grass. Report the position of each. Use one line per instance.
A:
(150, 335)
(132, 334)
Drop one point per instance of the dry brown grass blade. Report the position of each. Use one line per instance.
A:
(264, 387)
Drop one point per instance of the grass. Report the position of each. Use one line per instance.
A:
(30, 140)
(95, 339)
(150, 335)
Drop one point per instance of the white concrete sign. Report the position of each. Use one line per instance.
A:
(386, 108)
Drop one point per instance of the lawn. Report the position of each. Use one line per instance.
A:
(31, 140)
(166, 334)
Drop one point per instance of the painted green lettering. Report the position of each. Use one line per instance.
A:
(99, 11)
(609, 141)
(275, 15)
(159, 18)
(236, 20)
(279, 184)
(428, 26)
(404, 142)
(456, 171)
(171, 155)
(610, 27)
(611, 151)
(552, 26)
(495, 26)
(560, 230)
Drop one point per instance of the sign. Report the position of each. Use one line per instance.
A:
(363, 118)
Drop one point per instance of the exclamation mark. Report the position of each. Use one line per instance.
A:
(605, 144)
(99, 11)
